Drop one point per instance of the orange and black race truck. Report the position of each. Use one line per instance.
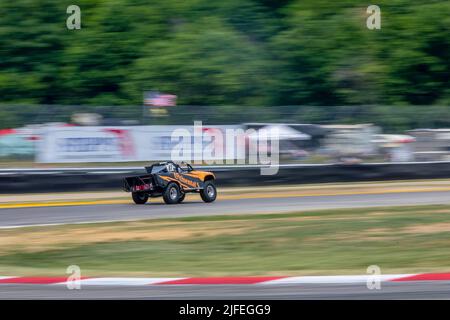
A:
(171, 181)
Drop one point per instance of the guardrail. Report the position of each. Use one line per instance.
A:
(90, 179)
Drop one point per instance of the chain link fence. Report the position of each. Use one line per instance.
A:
(392, 119)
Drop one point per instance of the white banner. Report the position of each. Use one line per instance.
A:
(114, 144)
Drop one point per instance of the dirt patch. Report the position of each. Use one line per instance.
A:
(377, 234)
(399, 213)
(320, 218)
(43, 240)
(373, 234)
(383, 213)
(428, 228)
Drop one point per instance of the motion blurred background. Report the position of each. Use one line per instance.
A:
(338, 91)
(81, 109)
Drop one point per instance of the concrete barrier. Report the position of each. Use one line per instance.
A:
(84, 179)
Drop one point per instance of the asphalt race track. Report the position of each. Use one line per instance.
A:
(20, 217)
(406, 290)
(120, 212)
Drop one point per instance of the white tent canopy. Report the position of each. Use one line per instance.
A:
(281, 132)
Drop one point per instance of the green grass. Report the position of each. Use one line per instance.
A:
(406, 239)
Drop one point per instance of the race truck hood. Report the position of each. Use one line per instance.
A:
(200, 174)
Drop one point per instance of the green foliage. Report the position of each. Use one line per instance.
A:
(234, 52)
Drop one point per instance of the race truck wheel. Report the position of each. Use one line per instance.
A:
(139, 197)
(181, 198)
(209, 192)
(172, 193)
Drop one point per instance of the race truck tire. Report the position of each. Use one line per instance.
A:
(172, 193)
(209, 192)
(181, 198)
(139, 197)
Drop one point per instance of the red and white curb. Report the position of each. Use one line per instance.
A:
(353, 279)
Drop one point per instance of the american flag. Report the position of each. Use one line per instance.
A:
(156, 99)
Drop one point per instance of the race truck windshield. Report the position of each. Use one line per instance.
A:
(156, 169)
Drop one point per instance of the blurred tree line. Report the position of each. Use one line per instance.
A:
(228, 53)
